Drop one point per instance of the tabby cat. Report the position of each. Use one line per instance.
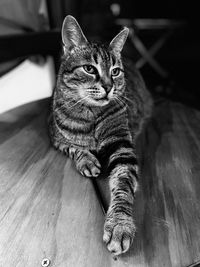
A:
(98, 108)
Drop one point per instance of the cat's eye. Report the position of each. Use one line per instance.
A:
(115, 71)
(90, 69)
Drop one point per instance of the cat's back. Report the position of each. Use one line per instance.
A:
(139, 98)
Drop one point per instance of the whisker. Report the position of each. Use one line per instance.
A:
(126, 98)
(115, 100)
(120, 101)
(79, 101)
(123, 103)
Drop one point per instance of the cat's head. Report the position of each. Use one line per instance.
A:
(92, 73)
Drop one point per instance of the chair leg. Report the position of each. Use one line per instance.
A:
(147, 56)
(154, 48)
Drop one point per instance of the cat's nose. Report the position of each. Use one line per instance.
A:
(107, 87)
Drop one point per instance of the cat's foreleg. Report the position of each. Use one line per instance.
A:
(119, 227)
(86, 162)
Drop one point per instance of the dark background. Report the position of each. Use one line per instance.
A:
(180, 55)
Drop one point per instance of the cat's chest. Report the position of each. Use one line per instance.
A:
(78, 128)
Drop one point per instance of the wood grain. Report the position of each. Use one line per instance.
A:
(47, 210)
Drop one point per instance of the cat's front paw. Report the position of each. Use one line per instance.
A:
(119, 232)
(88, 165)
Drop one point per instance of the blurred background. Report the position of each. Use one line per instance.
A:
(164, 43)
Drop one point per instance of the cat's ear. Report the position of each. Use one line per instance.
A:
(119, 40)
(72, 34)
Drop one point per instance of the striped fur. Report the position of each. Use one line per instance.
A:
(98, 109)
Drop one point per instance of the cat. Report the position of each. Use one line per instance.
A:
(98, 108)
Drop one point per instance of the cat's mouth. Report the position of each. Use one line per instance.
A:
(96, 97)
(99, 101)
(103, 101)
(103, 98)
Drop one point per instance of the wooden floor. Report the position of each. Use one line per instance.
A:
(47, 210)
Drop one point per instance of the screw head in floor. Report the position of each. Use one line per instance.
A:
(45, 262)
